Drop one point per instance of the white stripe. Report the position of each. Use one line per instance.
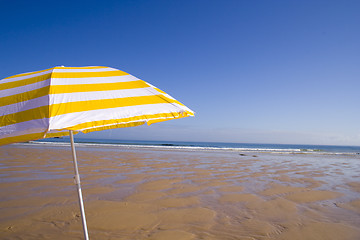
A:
(165, 94)
(66, 81)
(108, 125)
(92, 80)
(111, 94)
(75, 97)
(18, 129)
(80, 69)
(23, 106)
(58, 69)
(23, 89)
(72, 119)
(113, 124)
(25, 77)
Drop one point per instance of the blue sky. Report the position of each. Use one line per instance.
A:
(253, 71)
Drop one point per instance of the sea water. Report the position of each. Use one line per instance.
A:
(240, 147)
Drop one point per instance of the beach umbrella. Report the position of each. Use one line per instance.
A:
(62, 101)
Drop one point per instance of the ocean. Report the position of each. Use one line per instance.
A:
(205, 190)
(240, 147)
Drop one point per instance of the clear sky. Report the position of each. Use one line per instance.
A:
(253, 71)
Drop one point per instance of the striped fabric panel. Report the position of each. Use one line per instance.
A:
(25, 78)
(120, 114)
(50, 102)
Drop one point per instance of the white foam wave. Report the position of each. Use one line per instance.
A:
(189, 148)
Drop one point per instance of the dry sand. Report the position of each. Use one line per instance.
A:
(178, 195)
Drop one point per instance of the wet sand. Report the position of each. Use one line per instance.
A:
(178, 195)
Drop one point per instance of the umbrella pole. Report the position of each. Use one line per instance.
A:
(78, 186)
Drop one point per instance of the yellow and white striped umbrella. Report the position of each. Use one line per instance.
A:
(62, 100)
(51, 102)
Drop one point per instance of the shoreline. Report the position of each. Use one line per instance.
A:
(193, 148)
(162, 194)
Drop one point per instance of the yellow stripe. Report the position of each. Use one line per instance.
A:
(22, 97)
(30, 73)
(58, 89)
(100, 125)
(107, 123)
(127, 122)
(175, 116)
(59, 134)
(107, 127)
(88, 74)
(26, 74)
(21, 138)
(32, 80)
(31, 114)
(159, 90)
(24, 82)
(81, 106)
(93, 67)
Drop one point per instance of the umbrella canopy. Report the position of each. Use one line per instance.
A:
(64, 100)
(51, 102)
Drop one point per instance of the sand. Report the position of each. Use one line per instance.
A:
(178, 195)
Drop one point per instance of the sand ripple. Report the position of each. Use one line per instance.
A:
(178, 195)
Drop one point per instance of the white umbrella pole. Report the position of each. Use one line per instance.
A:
(77, 182)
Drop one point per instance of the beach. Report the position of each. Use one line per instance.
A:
(177, 194)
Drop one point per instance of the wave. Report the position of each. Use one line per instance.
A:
(193, 147)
